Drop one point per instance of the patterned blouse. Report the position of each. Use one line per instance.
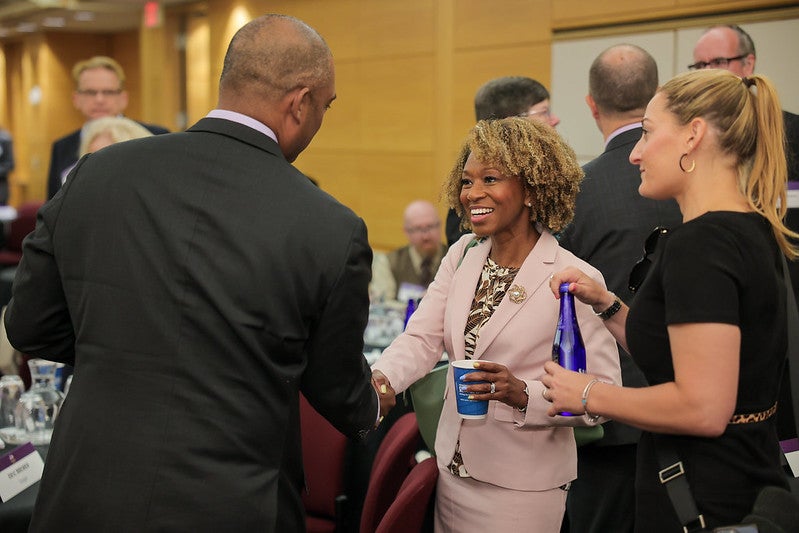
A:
(494, 283)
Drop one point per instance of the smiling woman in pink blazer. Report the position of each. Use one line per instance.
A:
(514, 183)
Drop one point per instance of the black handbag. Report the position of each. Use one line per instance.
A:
(776, 510)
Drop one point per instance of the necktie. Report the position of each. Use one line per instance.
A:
(426, 272)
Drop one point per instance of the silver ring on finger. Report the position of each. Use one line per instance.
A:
(493, 388)
(545, 394)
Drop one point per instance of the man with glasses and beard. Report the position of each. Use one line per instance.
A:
(407, 271)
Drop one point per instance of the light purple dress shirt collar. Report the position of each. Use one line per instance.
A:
(621, 130)
(244, 120)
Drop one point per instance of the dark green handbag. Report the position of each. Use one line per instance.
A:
(427, 395)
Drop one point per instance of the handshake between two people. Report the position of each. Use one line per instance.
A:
(387, 395)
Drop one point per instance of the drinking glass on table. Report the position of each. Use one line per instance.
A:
(34, 418)
(11, 388)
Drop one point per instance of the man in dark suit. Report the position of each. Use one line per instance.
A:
(199, 282)
(611, 223)
(99, 92)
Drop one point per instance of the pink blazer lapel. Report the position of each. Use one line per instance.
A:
(532, 277)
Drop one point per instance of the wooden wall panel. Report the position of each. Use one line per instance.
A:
(475, 67)
(574, 14)
(355, 29)
(382, 104)
(480, 24)
(15, 122)
(36, 118)
(124, 48)
(198, 70)
(377, 186)
(387, 27)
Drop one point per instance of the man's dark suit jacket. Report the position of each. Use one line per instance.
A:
(65, 154)
(199, 282)
(611, 223)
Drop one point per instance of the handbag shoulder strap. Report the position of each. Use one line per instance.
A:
(472, 243)
(672, 475)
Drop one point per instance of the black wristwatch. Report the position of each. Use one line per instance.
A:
(612, 310)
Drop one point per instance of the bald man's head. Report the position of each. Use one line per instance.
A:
(422, 226)
(725, 47)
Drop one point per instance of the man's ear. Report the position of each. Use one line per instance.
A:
(592, 106)
(299, 101)
(749, 65)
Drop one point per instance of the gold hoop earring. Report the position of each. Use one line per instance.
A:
(693, 164)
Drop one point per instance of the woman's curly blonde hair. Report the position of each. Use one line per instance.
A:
(531, 151)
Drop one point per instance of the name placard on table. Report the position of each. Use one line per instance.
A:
(19, 469)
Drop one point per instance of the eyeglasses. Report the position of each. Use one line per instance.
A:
(93, 93)
(717, 62)
(546, 113)
(641, 267)
(423, 229)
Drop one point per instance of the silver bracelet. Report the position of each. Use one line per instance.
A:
(588, 416)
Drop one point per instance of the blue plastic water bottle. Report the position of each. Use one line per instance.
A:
(568, 349)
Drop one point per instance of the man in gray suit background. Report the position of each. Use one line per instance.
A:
(611, 223)
(199, 282)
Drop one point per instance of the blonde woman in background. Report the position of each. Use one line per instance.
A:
(106, 131)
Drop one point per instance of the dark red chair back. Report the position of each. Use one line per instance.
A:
(18, 229)
(324, 451)
(411, 511)
(393, 462)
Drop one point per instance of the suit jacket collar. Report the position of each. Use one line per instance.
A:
(624, 138)
(238, 131)
(532, 277)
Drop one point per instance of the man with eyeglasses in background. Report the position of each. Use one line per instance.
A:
(731, 48)
(406, 272)
(99, 92)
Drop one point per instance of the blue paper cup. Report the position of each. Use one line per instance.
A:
(467, 408)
